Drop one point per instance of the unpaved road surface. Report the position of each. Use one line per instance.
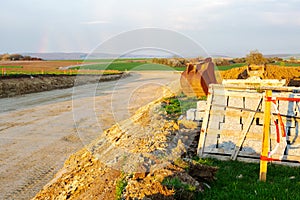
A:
(39, 131)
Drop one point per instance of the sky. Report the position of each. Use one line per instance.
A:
(228, 27)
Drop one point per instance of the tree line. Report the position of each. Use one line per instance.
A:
(16, 57)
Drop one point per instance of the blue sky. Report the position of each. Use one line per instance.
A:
(230, 27)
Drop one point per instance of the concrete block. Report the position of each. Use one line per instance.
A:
(237, 102)
(284, 107)
(251, 103)
(201, 105)
(199, 115)
(231, 126)
(233, 119)
(214, 124)
(256, 129)
(220, 100)
(191, 114)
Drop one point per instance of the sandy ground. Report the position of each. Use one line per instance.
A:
(39, 131)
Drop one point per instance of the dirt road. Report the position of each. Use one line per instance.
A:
(39, 131)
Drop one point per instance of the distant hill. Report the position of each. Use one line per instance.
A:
(283, 55)
(82, 56)
(58, 56)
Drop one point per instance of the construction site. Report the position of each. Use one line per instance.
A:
(155, 145)
(254, 119)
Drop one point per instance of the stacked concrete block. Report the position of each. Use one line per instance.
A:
(191, 114)
(201, 105)
(215, 121)
(226, 125)
(220, 100)
(252, 103)
(197, 113)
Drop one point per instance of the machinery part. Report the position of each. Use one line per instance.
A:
(256, 71)
(196, 78)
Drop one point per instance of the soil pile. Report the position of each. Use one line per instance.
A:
(25, 84)
(147, 151)
(291, 74)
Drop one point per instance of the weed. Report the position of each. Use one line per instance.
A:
(120, 186)
(181, 163)
(178, 105)
(175, 183)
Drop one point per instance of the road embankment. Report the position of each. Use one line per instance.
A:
(25, 84)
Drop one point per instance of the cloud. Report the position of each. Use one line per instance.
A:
(282, 18)
(95, 22)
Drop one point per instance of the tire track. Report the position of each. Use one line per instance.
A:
(38, 170)
(39, 175)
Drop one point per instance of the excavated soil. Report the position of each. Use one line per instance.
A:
(291, 74)
(25, 84)
(144, 150)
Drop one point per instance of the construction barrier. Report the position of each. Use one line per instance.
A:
(251, 123)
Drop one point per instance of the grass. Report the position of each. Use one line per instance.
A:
(239, 180)
(104, 60)
(227, 67)
(176, 184)
(129, 66)
(178, 105)
(284, 64)
(120, 186)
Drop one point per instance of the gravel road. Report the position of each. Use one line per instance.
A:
(39, 131)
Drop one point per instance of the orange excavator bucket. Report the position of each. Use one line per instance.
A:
(196, 78)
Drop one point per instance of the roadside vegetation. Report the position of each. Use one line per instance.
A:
(178, 105)
(120, 186)
(239, 180)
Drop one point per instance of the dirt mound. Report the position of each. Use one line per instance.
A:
(25, 84)
(271, 72)
(146, 149)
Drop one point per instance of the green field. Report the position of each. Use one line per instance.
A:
(137, 66)
(287, 64)
(106, 60)
(227, 67)
(129, 66)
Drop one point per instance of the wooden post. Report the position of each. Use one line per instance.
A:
(266, 136)
(203, 130)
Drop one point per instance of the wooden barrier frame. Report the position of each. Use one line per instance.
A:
(250, 114)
